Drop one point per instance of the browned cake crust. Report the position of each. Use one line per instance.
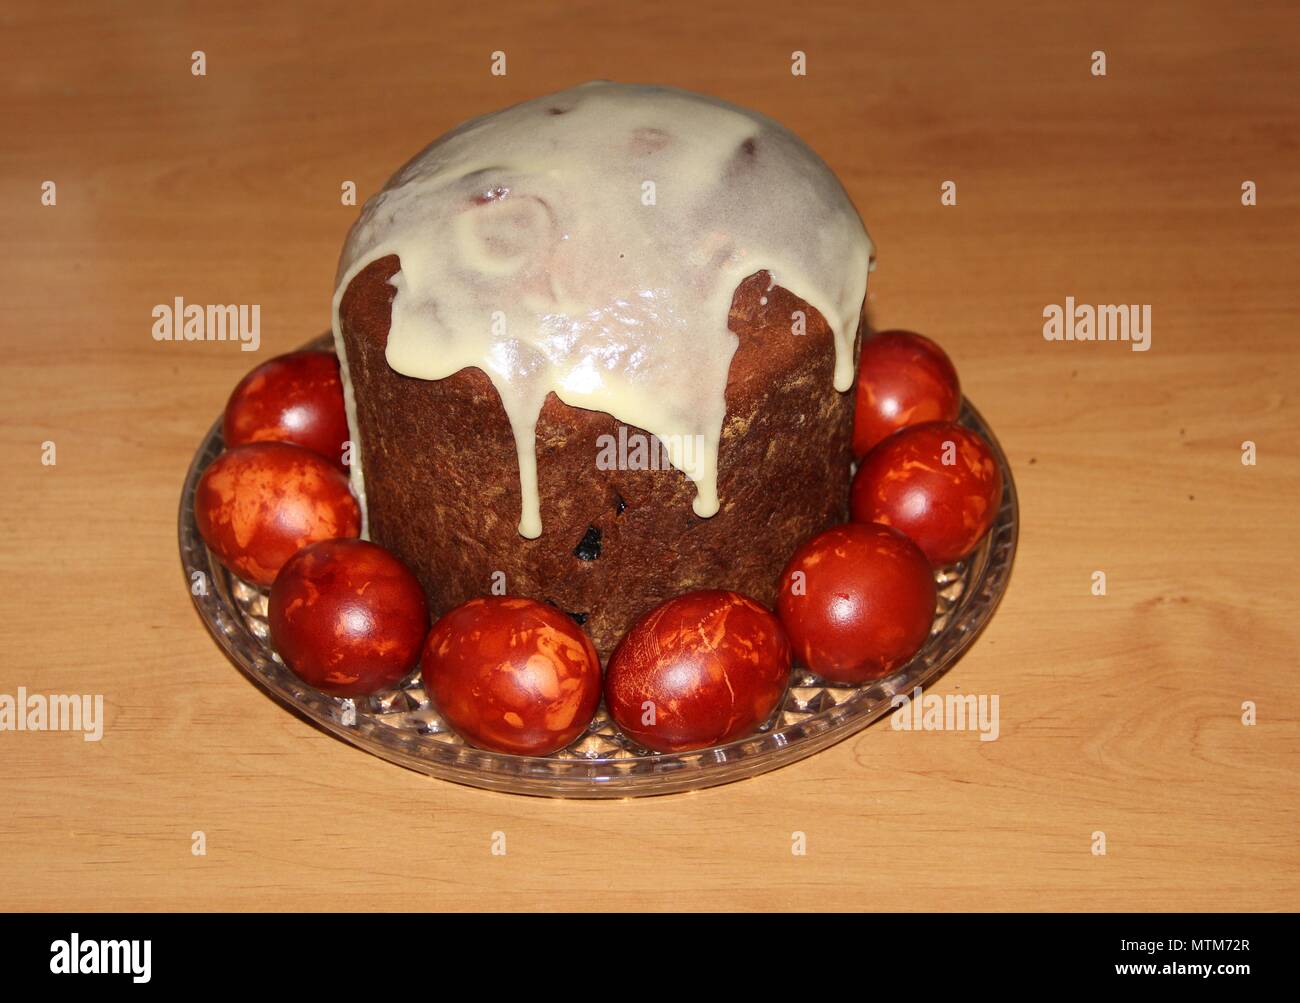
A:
(442, 478)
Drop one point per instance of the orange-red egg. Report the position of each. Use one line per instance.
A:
(347, 617)
(903, 379)
(295, 398)
(937, 483)
(857, 601)
(258, 505)
(702, 669)
(512, 675)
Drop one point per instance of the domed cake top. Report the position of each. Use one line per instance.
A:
(589, 244)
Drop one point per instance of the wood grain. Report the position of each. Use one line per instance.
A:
(1119, 714)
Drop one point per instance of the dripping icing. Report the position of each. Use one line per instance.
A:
(588, 244)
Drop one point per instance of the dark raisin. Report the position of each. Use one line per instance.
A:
(588, 549)
(747, 147)
(556, 111)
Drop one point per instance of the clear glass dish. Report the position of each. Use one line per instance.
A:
(402, 727)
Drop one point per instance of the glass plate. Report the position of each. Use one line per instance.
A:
(402, 727)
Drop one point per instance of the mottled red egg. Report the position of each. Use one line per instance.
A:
(699, 670)
(512, 675)
(857, 601)
(938, 483)
(258, 505)
(903, 379)
(347, 617)
(295, 398)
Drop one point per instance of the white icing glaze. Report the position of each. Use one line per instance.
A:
(589, 243)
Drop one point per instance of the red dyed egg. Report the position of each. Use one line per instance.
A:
(857, 602)
(347, 617)
(258, 505)
(903, 379)
(295, 398)
(938, 483)
(699, 670)
(512, 674)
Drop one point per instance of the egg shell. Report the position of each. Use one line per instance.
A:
(512, 675)
(938, 483)
(700, 670)
(857, 601)
(347, 617)
(295, 398)
(258, 505)
(904, 379)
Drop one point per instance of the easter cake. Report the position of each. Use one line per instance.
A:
(597, 349)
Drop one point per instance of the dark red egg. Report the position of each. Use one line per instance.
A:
(903, 379)
(699, 670)
(258, 505)
(347, 617)
(295, 398)
(939, 484)
(512, 675)
(857, 601)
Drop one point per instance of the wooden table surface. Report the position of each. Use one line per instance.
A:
(1120, 714)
